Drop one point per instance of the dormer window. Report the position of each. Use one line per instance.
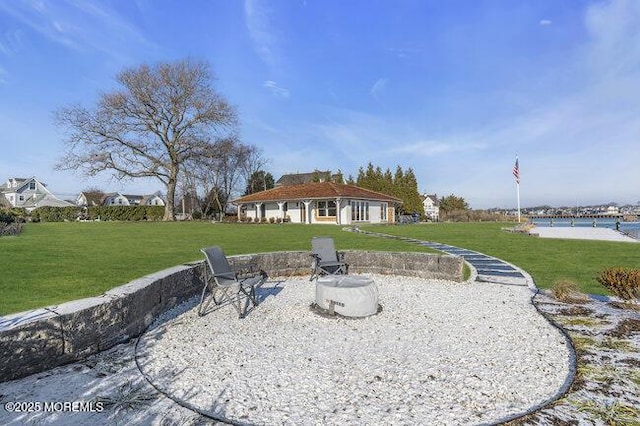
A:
(32, 186)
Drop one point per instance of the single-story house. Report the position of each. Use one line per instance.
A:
(319, 202)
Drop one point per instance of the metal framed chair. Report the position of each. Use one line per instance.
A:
(325, 259)
(219, 277)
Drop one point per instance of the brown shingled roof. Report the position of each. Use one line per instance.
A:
(315, 190)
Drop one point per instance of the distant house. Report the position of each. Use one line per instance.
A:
(319, 202)
(90, 198)
(118, 199)
(115, 199)
(152, 200)
(300, 178)
(30, 193)
(431, 207)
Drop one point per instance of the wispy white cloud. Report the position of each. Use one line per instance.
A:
(276, 90)
(77, 25)
(258, 22)
(545, 22)
(378, 88)
(432, 148)
(614, 50)
(404, 52)
(11, 42)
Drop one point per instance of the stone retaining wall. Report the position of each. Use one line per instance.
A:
(35, 341)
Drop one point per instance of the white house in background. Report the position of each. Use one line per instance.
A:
(118, 199)
(431, 207)
(30, 193)
(319, 202)
(90, 198)
(152, 200)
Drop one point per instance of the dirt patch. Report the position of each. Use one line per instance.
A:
(625, 329)
(631, 362)
(626, 305)
(576, 310)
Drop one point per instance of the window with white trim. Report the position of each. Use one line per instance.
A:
(359, 211)
(326, 208)
(384, 207)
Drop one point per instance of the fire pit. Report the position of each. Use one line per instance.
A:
(347, 295)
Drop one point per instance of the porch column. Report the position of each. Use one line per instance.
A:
(281, 209)
(338, 211)
(259, 210)
(307, 211)
(239, 207)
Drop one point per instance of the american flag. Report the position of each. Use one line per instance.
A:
(516, 171)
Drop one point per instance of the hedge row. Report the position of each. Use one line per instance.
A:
(119, 213)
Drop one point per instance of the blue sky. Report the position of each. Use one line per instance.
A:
(453, 89)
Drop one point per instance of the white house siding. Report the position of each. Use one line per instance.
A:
(19, 193)
(118, 200)
(344, 209)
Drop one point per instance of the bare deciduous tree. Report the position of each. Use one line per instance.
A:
(162, 117)
(217, 173)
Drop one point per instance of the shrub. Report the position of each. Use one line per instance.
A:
(278, 220)
(263, 220)
(567, 291)
(7, 216)
(623, 282)
(256, 220)
(196, 215)
(7, 229)
(272, 220)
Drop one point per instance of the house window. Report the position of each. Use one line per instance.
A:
(383, 212)
(327, 208)
(21, 198)
(359, 211)
(32, 186)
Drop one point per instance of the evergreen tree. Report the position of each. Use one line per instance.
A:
(259, 181)
(452, 203)
(402, 185)
(412, 200)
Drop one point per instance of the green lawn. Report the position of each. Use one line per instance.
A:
(547, 260)
(51, 263)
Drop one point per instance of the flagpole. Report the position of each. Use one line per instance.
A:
(516, 174)
(518, 194)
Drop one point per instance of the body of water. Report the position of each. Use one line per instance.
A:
(630, 228)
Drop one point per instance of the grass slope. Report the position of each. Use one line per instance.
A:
(547, 260)
(50, 263)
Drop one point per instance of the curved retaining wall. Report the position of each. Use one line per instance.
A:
(35, 341)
